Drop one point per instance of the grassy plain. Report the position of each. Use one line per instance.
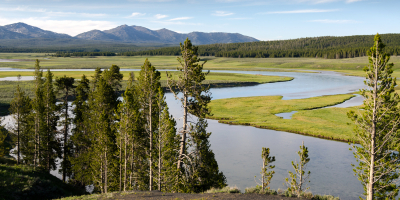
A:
(330, 123)
(352, 66)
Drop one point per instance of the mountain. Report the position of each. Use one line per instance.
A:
(138, 34)
(31, 31)
(97, 35)
(12, 34)
(6, 34)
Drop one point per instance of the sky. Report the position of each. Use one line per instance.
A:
(261, 19)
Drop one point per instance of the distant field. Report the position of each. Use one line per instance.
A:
(352, 66)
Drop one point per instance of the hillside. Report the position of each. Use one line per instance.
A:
(321, 47)
(23, 182)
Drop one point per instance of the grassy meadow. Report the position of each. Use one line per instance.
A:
(351, 66)
(329, 123)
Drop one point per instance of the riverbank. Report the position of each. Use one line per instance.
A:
(215, 80)
(260, 112)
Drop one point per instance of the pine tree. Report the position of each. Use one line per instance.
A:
(20, 110)
(167, 146)
(129, 136)
(266, 175)
(81, 137)
(65, 85)
(148, 86)
(205, 174)
(195, 97)
(50, 145)
(298, 178)
(103, 103)
(38, 114)
(377, 128)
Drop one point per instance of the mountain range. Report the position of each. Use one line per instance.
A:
(123, 34)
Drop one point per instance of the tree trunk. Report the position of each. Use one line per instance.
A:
(370, 192)
(263, 175)
(18, 142)
(185, 113)
(301, 170)
(120, 164)
(183, 141)
(105, 171)
(125, 156)
(65, 136)
(151, 143)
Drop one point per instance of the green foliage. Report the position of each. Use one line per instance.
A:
(377, 128)
(205, 173)
(50, 145)
(20, 109)
(103, 102)
(65, 85)
(81, 139)
(266, 175)
(298, 179)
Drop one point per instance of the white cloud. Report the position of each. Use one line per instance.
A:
(180, 18)
(299, 11)
(222, 13)
(136, 14)
(70, 27)
(51, 13)
(330, 21)
(241, 18)
(160, 16)
(321, 1)
(21, 9)
(168, 22)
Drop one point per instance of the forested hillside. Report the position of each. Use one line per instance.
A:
(321, 47)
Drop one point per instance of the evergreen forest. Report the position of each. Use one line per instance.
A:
(328, 47)
(114, 142)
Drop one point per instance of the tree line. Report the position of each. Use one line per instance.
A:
(320, 47)
(80, 54)
(119, 143)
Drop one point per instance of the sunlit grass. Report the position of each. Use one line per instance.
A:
(330, 123)
(353, 66)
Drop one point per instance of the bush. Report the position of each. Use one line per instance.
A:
(226, 189)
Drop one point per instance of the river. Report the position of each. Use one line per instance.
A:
(238, 148)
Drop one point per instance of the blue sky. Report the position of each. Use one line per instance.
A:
(262, 19)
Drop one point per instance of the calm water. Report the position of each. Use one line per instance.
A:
(238, 148)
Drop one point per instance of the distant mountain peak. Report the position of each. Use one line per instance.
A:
(126, 34)
(32, 31)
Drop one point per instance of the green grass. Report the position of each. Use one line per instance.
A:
(351, 66)
(226, 189)
(329, 123)
(23, 182)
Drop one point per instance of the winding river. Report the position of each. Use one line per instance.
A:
(238, 148)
